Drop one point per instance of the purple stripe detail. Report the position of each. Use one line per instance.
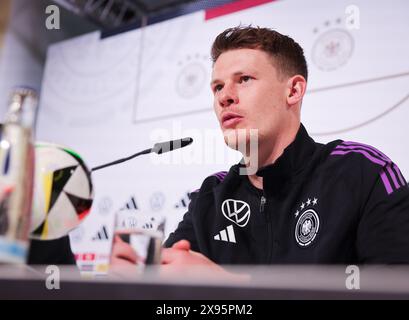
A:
(385, 157)
(197, 190)
(402, 180)
(220, 175)
(386, 182)
(387, 165)
(366, 154)
(392, 174)
(350, 147)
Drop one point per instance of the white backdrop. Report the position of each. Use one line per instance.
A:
(109, 98)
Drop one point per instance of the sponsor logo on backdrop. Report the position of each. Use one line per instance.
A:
(105, 206)
(333, 50)
(333, 47)
(192, 76)
(130, 204)
(183, 203)
(85, 256)
(101, 234)
(90, 256)
(130, 219)
(77, 235)
(157, 201)
(92, 262)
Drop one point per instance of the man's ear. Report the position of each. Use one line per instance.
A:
(296, 87)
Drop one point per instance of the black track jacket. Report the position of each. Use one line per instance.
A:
(343, 202)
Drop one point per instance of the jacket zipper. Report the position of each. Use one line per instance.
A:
(263, 201)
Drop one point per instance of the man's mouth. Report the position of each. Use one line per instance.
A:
(230, 120)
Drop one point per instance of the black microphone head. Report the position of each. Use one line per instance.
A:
(162, 147)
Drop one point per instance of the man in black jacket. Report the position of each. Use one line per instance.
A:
(344, 202)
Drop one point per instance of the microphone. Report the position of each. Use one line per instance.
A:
(162, 147)
(158, 148)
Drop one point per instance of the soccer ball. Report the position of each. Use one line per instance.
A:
(63, 191)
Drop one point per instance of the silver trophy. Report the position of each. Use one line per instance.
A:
(17, 175)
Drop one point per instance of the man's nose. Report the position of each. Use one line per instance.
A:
(228, 96)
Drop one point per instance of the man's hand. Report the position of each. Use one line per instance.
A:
(179, 260)
(122, 253)
(180, 254)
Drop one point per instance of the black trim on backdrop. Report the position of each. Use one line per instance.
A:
(168, 14)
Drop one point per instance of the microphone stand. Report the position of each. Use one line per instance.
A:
(121, 160)
(158, 148)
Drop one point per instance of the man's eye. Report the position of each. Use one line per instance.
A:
(244, 79)
(218, 87)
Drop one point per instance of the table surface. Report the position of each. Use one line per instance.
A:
(190, 282)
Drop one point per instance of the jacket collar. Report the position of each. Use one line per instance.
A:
(294, 157)
(278, 175)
